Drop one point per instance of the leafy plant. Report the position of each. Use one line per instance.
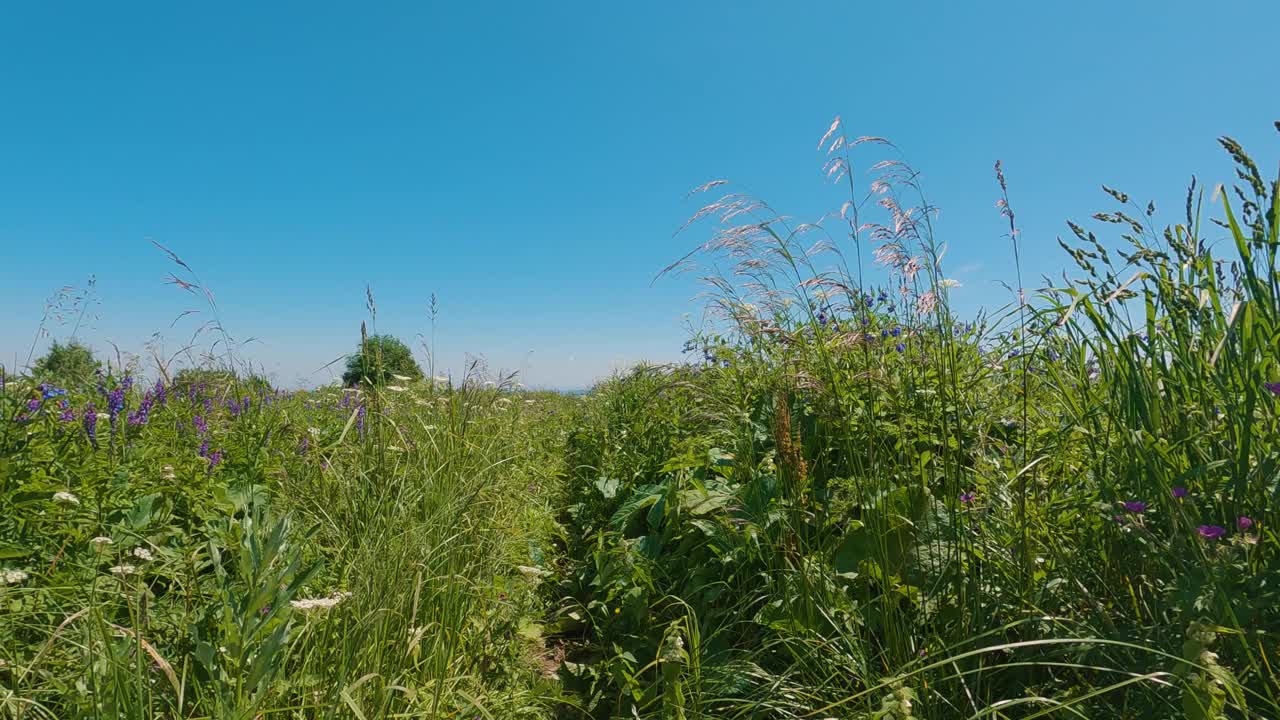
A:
(379, 360)
(68, 365)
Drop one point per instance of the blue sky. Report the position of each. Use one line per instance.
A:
(528, 162)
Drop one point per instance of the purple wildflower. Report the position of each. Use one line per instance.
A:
(115, 403)
(202, 428)
(896, 332)
(360, 418)
(967, 497)
(127, 383)
(215, 457)
(204, 448)
(1180, 492)
(33, 404)
(48, 391)
(1136, 507)
(1273, 387)
(142, 414)
(68, 415)
(900, 347)
(91, 423)
(1244, 523)
(1211, 532)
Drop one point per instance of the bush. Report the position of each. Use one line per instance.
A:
(219, 381)
(381, 357)
(69, 365)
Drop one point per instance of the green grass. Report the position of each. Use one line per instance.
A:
(849, 503)
(417, 517)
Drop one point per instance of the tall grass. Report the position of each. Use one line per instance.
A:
(854, 504)
(349, 553)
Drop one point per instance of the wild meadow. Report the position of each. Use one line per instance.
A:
(849, 502)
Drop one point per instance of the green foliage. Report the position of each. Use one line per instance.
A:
(869, 509)
(314, 554)
(219, 382)
(378, 361)
(68, 365)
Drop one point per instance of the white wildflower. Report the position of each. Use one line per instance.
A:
(401, 378)
(440, 380)
(104, 416)
(123, 570)
(395, 448)
(66, 498)
(324, 603)
(12, 577)
(395, 388)
(101, 541)
(949, 283)
(314, 431)
(166, 473)
(143, 554)
(532, 574)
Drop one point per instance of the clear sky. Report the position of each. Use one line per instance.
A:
(528, 162)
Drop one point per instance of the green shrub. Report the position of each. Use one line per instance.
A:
(69, 365)
(378, 359)
(219, 381)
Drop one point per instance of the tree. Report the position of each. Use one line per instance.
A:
(71, 365)
(381, 357)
